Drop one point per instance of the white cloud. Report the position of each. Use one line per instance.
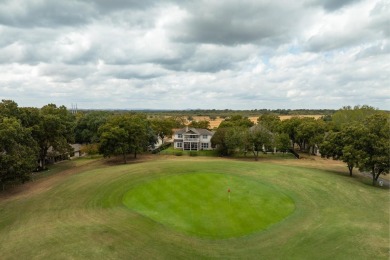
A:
(204, 54)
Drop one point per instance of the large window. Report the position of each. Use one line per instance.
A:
(205, 145)
(179, 145)
(204, 136)
(179, 136)
(190, 146)
(194, 146)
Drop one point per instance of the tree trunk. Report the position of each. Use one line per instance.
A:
(124, 158)
(135, 154)
(43, 155)
(350, 168)
(377, 176)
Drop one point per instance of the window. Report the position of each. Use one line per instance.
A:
(194, 146)
(204, 136)
(205, 145)
(179, 145)
(179, 136)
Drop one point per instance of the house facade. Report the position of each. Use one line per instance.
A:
(192, 139)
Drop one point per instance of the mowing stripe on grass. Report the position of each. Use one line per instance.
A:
(198, 204)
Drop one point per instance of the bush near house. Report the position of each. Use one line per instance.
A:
(161, 148)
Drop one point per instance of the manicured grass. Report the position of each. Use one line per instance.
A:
(95, 210)
(214, 153)
(210, 204)
(178, 152)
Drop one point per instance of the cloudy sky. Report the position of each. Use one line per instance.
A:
(180, 54)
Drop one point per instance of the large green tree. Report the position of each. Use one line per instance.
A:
(237, 140)
(271, 121)
(364, 145)
(230, 135)
(347, 115)
(86, 130)
(344, 145)
(290, 127)
(124, 134)
(18, 151)
(9, 108)
(282, 142)
(218, 141)
(259, 138)
(375, 146)
(53, 129)
(163, 126)
(310, 132)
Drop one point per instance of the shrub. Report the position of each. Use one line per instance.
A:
(162, 147)
(192, 153)
(90, 149)
(179, 153)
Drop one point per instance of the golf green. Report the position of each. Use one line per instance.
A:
(210, 205)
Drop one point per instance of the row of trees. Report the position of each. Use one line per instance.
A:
(29, 136)
(239, 134)
(358, 136)
(365, 145)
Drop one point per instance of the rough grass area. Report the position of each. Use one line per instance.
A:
(82, 213)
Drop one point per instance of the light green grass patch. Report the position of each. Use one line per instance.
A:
(199, 204)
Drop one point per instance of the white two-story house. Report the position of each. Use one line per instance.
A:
(192, 139)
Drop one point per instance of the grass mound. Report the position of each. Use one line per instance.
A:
(199, 204)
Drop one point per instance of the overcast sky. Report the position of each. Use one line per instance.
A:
(180, 54)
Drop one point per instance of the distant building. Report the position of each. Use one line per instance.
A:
(192, 139)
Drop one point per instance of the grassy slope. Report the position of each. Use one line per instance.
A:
(79, 214)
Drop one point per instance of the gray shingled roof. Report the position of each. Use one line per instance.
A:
(198, 131)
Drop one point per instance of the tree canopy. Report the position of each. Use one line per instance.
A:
(124, 134)
(18, 151)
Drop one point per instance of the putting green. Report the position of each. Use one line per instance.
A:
(199, 204)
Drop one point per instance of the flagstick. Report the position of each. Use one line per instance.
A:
(229, 198)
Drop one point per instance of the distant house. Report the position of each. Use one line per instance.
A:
(76, 150)
(192, 139)
(55, 156)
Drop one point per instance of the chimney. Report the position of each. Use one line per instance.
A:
(186, 128)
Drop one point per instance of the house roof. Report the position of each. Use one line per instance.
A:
(198, 131)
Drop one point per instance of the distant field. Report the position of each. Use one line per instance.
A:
(216, 122)
(168, 207)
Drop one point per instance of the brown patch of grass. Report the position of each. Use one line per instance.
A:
(216, 122)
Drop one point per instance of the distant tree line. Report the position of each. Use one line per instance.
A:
(222, 113)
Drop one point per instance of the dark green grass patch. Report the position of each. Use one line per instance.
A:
(201, 204)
